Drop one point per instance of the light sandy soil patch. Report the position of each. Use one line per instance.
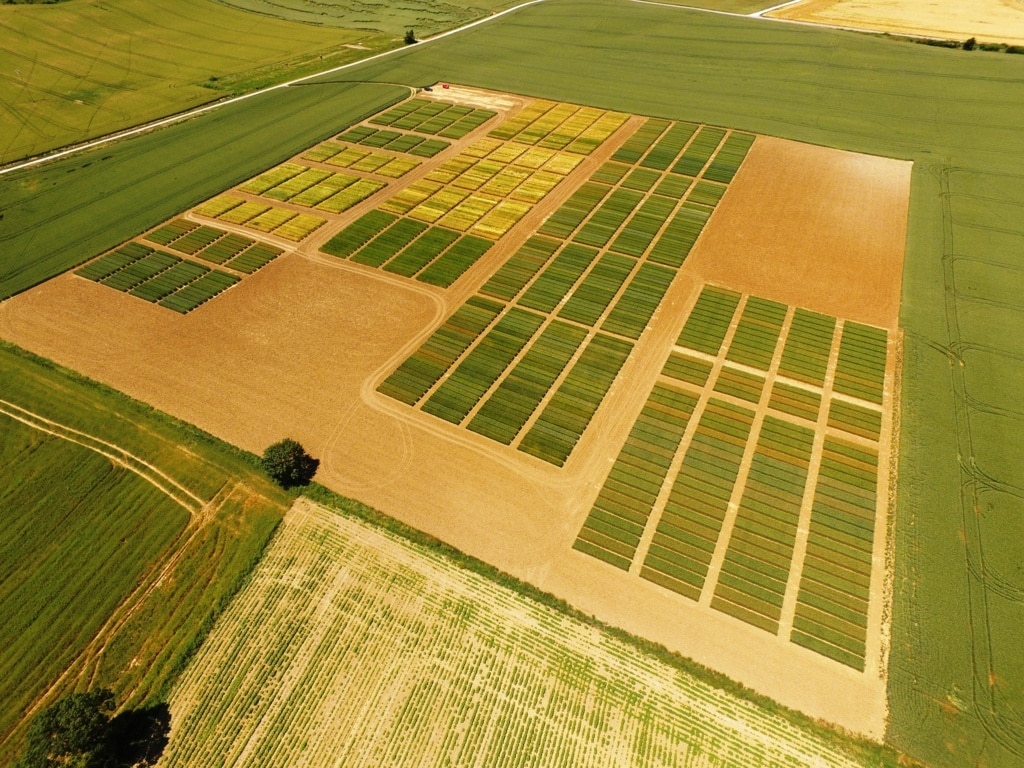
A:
(298, 349)
(828, 235)
(997, 21)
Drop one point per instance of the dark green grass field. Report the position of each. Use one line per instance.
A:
(956, 680)
(81, 534)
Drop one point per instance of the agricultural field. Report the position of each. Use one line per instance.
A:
(786, 407)
(525, 368)
(158, 520)
(83, 69)
(954, 687)
(456, 669)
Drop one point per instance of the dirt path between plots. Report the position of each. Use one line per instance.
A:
(996, 21)
(294, 350)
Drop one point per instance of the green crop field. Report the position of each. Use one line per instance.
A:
(344, 619)
(90, 593)
(956, 685)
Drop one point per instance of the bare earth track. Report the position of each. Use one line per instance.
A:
(299, 348)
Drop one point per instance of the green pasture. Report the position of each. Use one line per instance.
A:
(81, 533)
(956, 682)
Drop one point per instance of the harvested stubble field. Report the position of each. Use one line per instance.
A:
(455, 669)
(312, 374)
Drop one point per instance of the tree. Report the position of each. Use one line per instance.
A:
(288, 463)
(970, 44)
(410, 37)
(70, 732)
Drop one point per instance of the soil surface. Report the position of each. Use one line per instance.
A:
(996, 21)
(298, 349)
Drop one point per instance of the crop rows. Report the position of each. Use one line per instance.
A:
(831, 611)
(407, 247)
(688, 369)
(639, 179)
(689, 528)
(475, 374)
(567, 414)
(740, 384)
(637, 236)
(216, 246)
(669, 145)
(394, 141)
(363, 160)
(757, 334)
(637, 145)
(617, 520)
(414, 377)
(604, 222)
(571, 214)
(157, 277)
(855, 419)
(171, 231)
(639, 301)
(513, 402)
(805, 354)
(709, 320)
(592, 296)
(452, 121)
(796, 401)
(677, 240)
(755, 572)
(579, 130)
(697, 154)
(706, 193)
(331, 192)
(282, 222)
(729, 158)
(518, 270)
(860, 371)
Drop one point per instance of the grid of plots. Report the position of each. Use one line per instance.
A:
(528, 360)
(707, 498)
(438, 118)
(438, 226)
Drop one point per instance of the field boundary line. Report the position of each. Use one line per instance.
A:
(180, 116)
(192, 503)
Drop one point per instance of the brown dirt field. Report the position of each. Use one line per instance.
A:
(996, 21)
(829, 234)
(298, 348)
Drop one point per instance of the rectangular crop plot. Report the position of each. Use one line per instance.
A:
(455, 261)
(688, 369)
(464, 387)
(709, 320)
(831, 610)
(678, 238)
(593, 295)
(389, 242)
(688, 530)
(639, 233)
(567, 414)
(351, 195)
(617, 520)
(169, 281)
(860, 371)
(740, 384)
(637, 144)
(513, 402)
(609, 217)
(273, 177)
(729, 158)
(795, 401)
(558, 278)
(199, 291)
(218, 206)
(241, 214)
(805, 355)
(171, 231)
(752, 582)
(573, 211)
(515, 273)
(639, 301)
(422, 251)
(757, 333)
(356, 234)
(855, 419)
(255, 258)
(121, 257)
(670, 145)
(198, 239)
(699, 152)
(414, 377)
(139, 271)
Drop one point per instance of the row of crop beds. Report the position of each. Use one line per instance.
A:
(230, 250)
(439, 118)
(734, 354)
(157, 277)
(393, 141)
(579, 292)
(285, 223)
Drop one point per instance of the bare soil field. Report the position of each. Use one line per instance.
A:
(298, 349)
(996, 21)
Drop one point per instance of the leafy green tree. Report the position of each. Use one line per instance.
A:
(410, 37)
(288, 463)
(71, 732)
